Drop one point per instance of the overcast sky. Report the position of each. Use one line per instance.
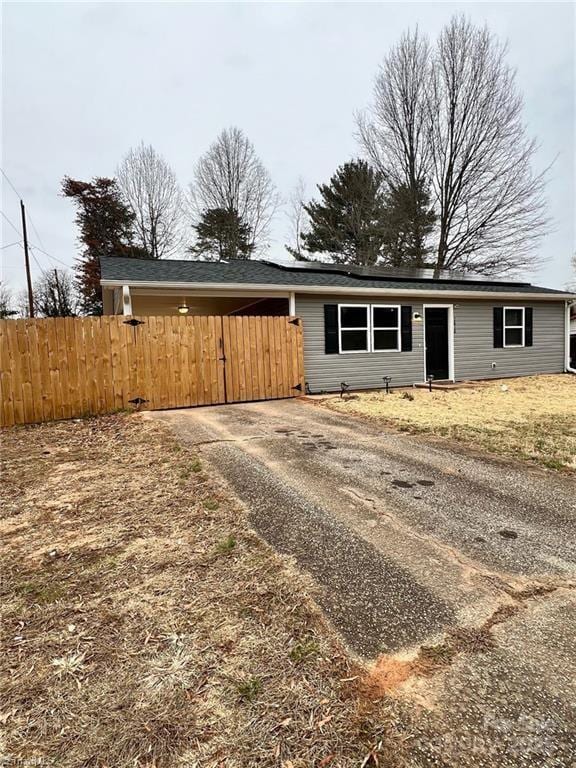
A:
(83, 82)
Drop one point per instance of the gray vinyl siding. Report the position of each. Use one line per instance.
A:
(474, 351)
(359, 369)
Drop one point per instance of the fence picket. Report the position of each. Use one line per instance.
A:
(71, 367)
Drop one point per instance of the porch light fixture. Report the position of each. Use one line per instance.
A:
(183, 309)
(417, 317)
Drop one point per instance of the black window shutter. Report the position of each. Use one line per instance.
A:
(498, 326)
(331, 346)
(528, 335)
(406, 328)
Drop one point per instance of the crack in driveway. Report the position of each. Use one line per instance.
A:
(515, 587)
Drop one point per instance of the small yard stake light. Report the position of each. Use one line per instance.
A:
(387, 380)
(430, 380)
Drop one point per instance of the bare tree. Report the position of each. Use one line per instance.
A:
(457, 118)
(152, 193)
(22, 304)
(492, 207)
(298, 221)
(230, 176)
(54, 294)
(393, 130)
(6, 303)
(572, 283)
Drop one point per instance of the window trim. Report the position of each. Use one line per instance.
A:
(397, 327)
(370, 328)
(341, 328)
(506, 326)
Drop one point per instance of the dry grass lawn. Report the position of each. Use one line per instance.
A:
(146, 625)
(532, 418)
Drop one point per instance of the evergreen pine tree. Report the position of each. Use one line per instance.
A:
(409, 221)
(347, 223)
(222, 236)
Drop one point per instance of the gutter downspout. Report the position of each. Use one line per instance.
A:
(567, 338)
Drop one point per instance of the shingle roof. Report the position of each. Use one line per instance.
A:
(131, 271)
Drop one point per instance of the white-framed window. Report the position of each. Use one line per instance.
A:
(369, 328)
(385, 328)
(354, 324)
(514, 326)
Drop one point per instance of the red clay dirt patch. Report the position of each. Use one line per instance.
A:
(386, 675)
(390, 673)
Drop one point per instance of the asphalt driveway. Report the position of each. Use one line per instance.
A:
(407, 540)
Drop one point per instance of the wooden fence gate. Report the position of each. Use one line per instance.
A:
(68, 367)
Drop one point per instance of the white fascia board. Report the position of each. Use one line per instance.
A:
(250, 288)
(200, 292)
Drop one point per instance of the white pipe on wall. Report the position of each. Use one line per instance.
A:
(567, 340)
(126, 300)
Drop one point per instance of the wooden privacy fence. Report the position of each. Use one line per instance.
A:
(68, 367)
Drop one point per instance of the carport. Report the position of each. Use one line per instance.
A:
(142, 301)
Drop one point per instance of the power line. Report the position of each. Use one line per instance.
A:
(12, 185)
(43, 249)
(31, 247)
(24, 245)
(37, 233)
(36, 248)
(14, 227)
(36, 260)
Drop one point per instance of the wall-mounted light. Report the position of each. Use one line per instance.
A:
(417, 317)
(183, 309)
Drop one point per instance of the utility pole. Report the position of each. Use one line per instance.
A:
(59, 300)
(27, 260)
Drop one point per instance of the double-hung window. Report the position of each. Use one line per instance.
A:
(514, 326)
(354, 327)
(385, 328)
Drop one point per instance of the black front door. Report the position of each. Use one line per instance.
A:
(436, 321)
